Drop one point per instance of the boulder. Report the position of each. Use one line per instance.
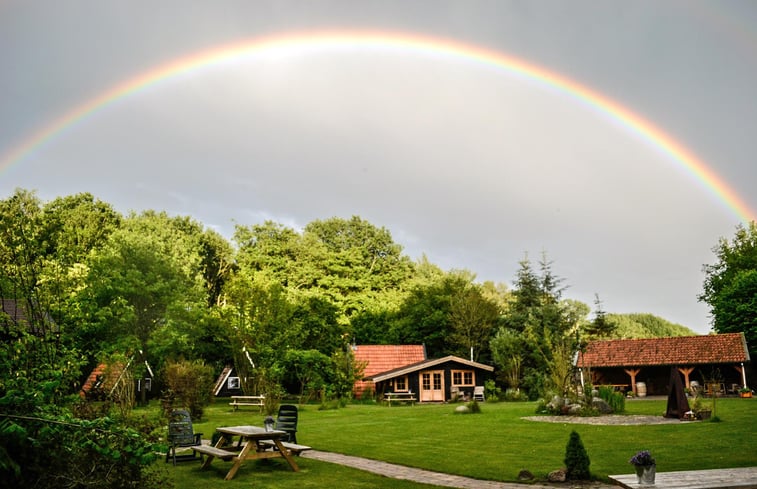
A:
(601, 405)
(575, 409)
(462, 409)
(556, 404)
(558, 475)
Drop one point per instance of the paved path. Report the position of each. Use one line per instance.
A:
(435, 478)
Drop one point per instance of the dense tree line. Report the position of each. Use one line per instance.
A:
(273, 300)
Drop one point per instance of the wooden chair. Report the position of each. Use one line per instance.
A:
(286, 420)
(182, 435)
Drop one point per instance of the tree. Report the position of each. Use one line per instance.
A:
(547, 325)
(425, 316)
(146, 282)
(473, 317)
(730, 285)
(75, 225)
(507, 349)
(576, 459)
(599, 327)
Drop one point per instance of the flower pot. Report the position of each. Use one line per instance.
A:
(704, 414)
(645, 474)
(745, 394)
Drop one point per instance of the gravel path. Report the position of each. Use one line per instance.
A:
(608, 419)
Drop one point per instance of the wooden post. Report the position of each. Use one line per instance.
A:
(686, 372)
(633, 372)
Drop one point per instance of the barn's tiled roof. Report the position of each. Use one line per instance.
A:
(380, 358)
(681, 350)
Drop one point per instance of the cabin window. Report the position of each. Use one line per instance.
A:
(233, 383)
(462, 377)
(400, 384)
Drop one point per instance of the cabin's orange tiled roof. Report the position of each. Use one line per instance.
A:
(681, 350)
(381, 358)
(107, 376)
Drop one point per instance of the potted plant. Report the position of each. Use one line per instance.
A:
(646, 467)
(745, 392)
(701, 409)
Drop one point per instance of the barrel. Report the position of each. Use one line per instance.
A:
(641, 389)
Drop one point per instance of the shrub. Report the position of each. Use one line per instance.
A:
(99, 454)
(514, 395)
(576, 459)
(614, 399)
(473, 407)
(190, 385)
(491, 391)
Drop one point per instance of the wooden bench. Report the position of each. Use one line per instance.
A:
(292, 447)
(247, 401)
(216, 452)
(390, 397)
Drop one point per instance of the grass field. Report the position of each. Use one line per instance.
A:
(495, 444)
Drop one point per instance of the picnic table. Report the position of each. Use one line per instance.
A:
(390, 397)
(247, 401)
(255, 443)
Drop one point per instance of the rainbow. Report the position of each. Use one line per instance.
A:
(402, 44)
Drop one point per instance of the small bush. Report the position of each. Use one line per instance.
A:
(491, 391)
(514, 395)
(474, 407)
(576, 459)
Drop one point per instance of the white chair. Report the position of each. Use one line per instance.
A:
(478, 393)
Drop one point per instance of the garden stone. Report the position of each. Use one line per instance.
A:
(462, 409)
(558, 475)
(601, 405)
(555, 404)
(575, 409)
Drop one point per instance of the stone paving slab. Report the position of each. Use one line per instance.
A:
(696, 479)
(438, 479)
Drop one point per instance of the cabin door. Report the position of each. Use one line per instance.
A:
(432, 385)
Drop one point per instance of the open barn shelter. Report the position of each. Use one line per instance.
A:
(642, 366)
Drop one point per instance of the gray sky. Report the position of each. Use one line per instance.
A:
(468, 163)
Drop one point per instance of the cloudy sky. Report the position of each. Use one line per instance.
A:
(473, 163)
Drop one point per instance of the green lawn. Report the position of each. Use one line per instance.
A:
(495, 444)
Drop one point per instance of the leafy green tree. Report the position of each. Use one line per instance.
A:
(730, 286)
(425, 316)
(357, 261)
(144, 283)
(33, 349)
(273, 249)
(75, 225)
(217, 262)
(309, 368)
(507, 347)
(473, 318)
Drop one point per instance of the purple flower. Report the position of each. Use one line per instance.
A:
(642, 458)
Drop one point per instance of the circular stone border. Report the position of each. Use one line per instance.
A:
(608, 419)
